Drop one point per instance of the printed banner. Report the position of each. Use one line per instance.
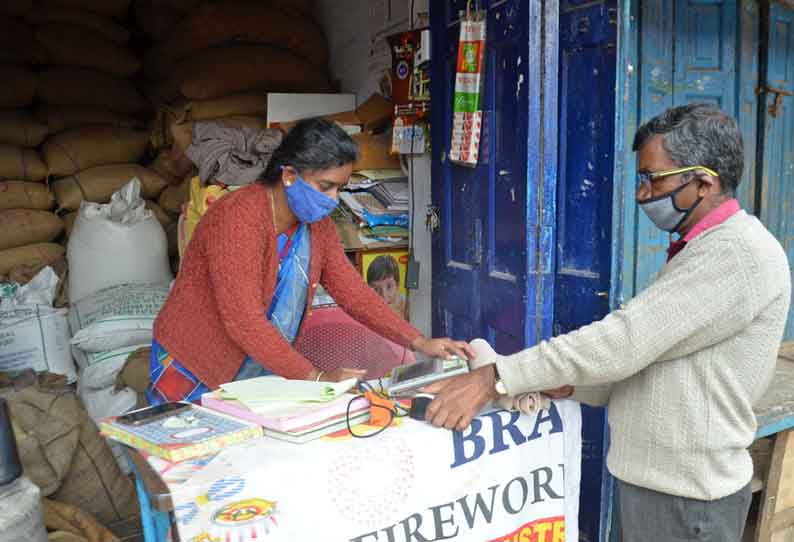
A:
(509, 477)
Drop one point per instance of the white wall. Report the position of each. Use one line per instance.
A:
(359, 56)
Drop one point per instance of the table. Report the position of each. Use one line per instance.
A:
(775, 414)
(507, 475)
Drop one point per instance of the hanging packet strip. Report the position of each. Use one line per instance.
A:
(467, 113)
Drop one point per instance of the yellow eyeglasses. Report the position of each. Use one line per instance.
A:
(644, 179)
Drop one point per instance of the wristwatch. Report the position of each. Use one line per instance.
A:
(500, 387)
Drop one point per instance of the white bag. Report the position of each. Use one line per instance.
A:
(106, 402)
(116, 317)
(33, 334)
(101, 368)
(120, 242)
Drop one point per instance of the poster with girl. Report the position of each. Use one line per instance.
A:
(384, 271)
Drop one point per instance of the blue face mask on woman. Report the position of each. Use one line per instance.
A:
(306, 203)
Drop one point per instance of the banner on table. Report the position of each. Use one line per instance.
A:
(509, 477)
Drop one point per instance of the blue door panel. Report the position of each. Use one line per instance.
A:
(777, 184)
(458, 189)
(691, 51)
(480, 253)
(747, 98)
(504, 265)
(657, 88)
(584, 204)
(704, 67)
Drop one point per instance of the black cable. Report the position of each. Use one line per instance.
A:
(397, 412)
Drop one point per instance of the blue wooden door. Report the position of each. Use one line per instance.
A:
(777, 176)
(588, 33)
(491, 264)
(689, 51)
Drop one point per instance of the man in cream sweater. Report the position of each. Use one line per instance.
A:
(681, 365)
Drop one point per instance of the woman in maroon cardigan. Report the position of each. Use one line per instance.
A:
(250, 271)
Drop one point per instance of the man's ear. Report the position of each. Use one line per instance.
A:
(707, 184)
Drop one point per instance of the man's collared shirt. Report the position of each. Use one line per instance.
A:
(715, 217)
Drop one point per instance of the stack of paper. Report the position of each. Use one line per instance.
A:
(292, 410)
(392, 194)
(378, 201)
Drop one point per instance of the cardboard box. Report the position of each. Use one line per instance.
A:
(374, 152)
(371, 116)
(375, 113)
(288, 107)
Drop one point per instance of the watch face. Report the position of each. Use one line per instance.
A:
(501, 389)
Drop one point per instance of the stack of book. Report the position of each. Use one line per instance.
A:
(376, 202)
(293, 410)
(296, 422)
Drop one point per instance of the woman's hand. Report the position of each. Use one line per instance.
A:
(443, 348)
(337, 375)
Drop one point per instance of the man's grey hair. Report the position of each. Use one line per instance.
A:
(699, 134)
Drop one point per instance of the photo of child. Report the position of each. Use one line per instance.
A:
(383, 276)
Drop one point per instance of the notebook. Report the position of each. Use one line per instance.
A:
(287, 415)
(260, 391)
(320, 431)
(189, 433)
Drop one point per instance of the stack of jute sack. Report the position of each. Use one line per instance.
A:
(222, 48)
(69, 114)
(27, 225)
(89, 103)
(63, 453)
(218, 62)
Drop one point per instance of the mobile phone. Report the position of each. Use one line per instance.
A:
(152, 413)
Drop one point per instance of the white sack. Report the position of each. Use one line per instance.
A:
(117, 316)
(116, 243)
(33, 334)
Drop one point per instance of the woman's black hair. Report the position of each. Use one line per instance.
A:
(313, 144)
(383, 267)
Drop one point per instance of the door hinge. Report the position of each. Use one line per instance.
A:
(432, 220)
(777, 105)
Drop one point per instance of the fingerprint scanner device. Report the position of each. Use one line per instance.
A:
(405, 380)
(419, 405)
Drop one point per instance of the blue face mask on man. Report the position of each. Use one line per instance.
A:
(306, 203)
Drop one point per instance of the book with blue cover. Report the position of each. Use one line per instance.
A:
(190, 432)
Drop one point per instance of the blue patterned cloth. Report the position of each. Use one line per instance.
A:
(172, 381)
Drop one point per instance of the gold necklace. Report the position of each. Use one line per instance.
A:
(273, 207)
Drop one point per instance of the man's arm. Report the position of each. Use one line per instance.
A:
(596, 396)
(696, 304)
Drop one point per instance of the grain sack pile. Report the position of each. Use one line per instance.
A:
(27, 224)
(94, 114)
(217, 61)
(63, 453)
(72, 123)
